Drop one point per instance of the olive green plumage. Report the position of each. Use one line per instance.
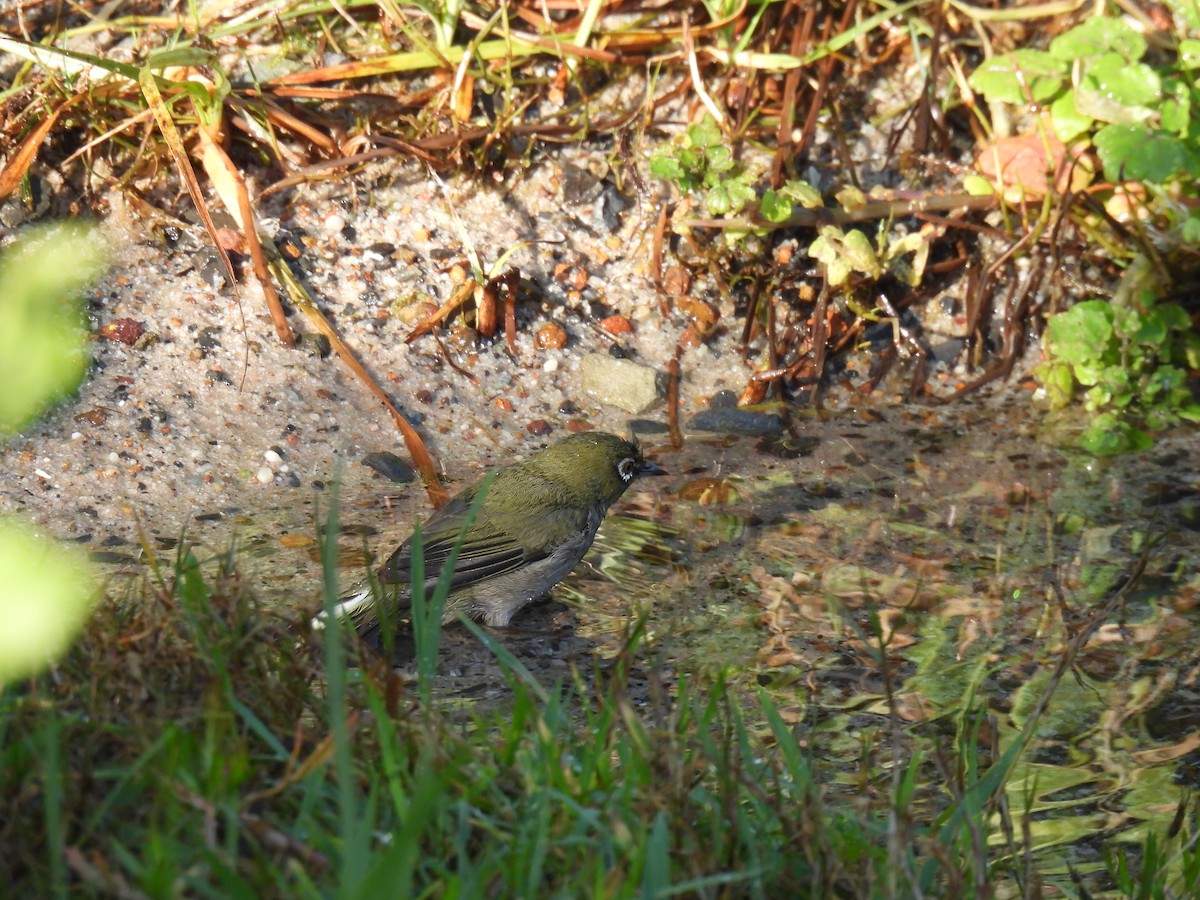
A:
(533, 526)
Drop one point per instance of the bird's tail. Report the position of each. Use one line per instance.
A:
(358, 608)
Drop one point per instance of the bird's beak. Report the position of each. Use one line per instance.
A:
(649, 468)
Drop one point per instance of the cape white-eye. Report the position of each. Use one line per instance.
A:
(533, 526)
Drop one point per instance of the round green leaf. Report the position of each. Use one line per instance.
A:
(48, 591)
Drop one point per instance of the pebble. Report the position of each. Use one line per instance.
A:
(125, 331)
(550, 336)
(390, 466)
(273, 457)
(539, 427)
(265, 475)
(617, 325)
(724, 420)
(623, 383)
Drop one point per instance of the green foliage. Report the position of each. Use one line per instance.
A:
(777, 206)
(701, 162)
(1130, 366)
(47, 588)
(844, 253)
(43, 341)
(1098, 85)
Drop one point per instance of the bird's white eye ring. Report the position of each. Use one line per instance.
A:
(627, 468)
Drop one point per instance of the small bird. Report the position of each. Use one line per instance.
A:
(532, 528)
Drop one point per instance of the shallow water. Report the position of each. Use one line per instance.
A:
(893, 578)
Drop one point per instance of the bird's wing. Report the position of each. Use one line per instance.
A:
(495, 546)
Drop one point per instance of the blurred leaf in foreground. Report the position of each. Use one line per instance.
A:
(48, 590)
(43, 339)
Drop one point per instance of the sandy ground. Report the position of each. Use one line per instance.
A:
(214, 431)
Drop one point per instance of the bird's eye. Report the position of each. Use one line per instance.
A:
(627, 468)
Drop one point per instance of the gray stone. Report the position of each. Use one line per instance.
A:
(725, 420)
(390, 466)
(621, 382)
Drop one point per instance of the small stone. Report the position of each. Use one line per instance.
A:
(314, 344)
(723, 400)
(273, 457)
(208, 338)
(462, 339)
(621, 382)
(575, 426)
(736, 421)
(504, 403)
(677, 281)
(703, 315)
(265, 475)
(333, 223)
(97, 416)
(550, 336)
(390, 466)
(125, 331)
(550, 365)
(539, 427)
(617, 325)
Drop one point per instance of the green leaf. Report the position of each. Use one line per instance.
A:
(1175, 109)
(860, 254)
(1083, 334)
(48, 591)
(1151, 330)
(741, 191)
(1069, 123)
(1021, 77)
(1140, 153)
(1097, 36)
(1189, 230)
(705, 133)
(1109, 435)
(1189, 345)
(717, 201)
(667, 168)
(691, 160)
(719, 158)
(1058, 382)
(43, 341)
(775, 208)
(1189, 54)
(1115, 90)
(1173, 316)
(978, 186)
(803, 193)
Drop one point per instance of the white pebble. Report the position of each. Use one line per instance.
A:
(112, 457)
(273, 457)
(334, 223)
(265, 475)
(550, 365)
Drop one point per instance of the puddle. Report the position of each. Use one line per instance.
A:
(953, 539)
